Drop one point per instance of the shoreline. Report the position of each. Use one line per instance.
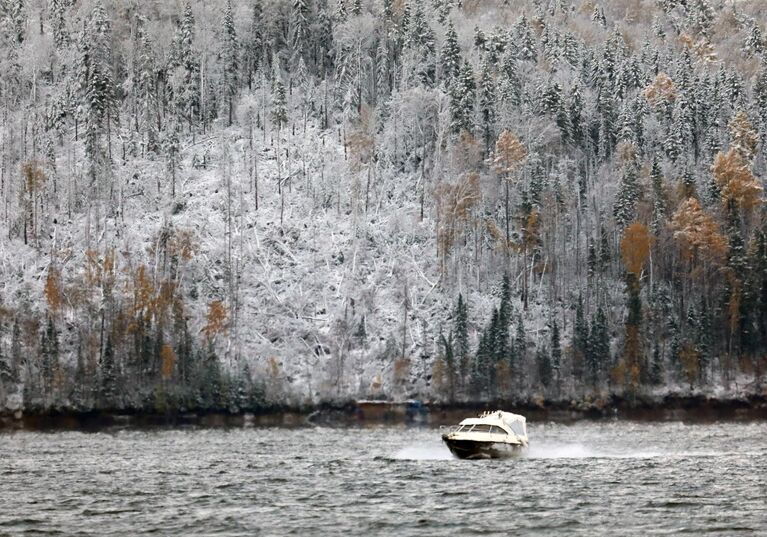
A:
(374, 413)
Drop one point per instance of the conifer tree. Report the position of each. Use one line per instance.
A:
(462, 100)
(299, 29)
(628, 195)
(487, 99)
(109, 377)
(185, 69)
(448, 352)
(279, 105)
(57, 16)
(461, 330)
(524, 40)
(556, 352)
(580, 339)
(146, 91)
(50, 357)
(510, 86)
(450, 55)
(253, 43)
(97, 101)
(543, 363)
(598, 358)
(17, 16)
(8, 375)
(659, 198)
(229, 58)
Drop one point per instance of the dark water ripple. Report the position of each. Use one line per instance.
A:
(603, 478)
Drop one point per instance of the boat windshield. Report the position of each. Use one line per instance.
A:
(518, 427)
(481, 428)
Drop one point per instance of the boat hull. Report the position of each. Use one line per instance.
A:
(476, 449)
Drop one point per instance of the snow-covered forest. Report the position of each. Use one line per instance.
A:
(224, 204)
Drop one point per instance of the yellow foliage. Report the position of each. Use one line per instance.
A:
(168, 359)
(532, 229)
(689, 357)
(53, 289)
(401, 370)
(661, 90)
(217, 320)
(509, 153)
(627, 152)
(34, 177)
(361, 146)
(744, 137)
(182, 244)
(376, 385)
(143, 291)
(698, 231)
(439, 376)
(701, 47)
(635, 247)
(455, 202)
(503, 378)
(273, 368)
(735, 179)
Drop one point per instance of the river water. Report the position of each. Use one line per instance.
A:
(584, 478)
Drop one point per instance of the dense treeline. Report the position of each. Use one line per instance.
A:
(576, 186)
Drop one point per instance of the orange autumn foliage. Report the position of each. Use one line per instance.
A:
(217, 320)
(455, 202)
(52, 289)
(635, 247)
(509, 153)
(698, 232)
(660, 90)
(744, 136)
(737, 183)
(168, 360)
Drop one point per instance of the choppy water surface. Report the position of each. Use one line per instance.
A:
(586, 478)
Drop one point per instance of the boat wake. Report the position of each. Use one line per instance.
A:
(424, 452)
(581, 451)
(437, 452)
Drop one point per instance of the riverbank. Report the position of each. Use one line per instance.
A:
(371, 413)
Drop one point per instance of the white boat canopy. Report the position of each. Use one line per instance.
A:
(507, 420)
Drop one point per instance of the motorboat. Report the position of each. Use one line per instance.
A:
(492, 435)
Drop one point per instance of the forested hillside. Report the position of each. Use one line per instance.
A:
(223, 204)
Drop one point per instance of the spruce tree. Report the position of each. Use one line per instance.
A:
(8, 375)
(97, 100)
(598, 359)
(487, 99)
(510, 85)
(543, 364)
(50, 357)
(556, 352)
(450, 55)
(656, 367)
(462, 100)
(659, 198)
(524, 40)
(109, 377)
(253, 43)
(145, 88)
(16, 11)
(57, 16)
(299, 28)
(184, 63)
(461, 330)
(228, 58)
(580, 339)
(448, 352)
(628, 195)
(279, 105)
